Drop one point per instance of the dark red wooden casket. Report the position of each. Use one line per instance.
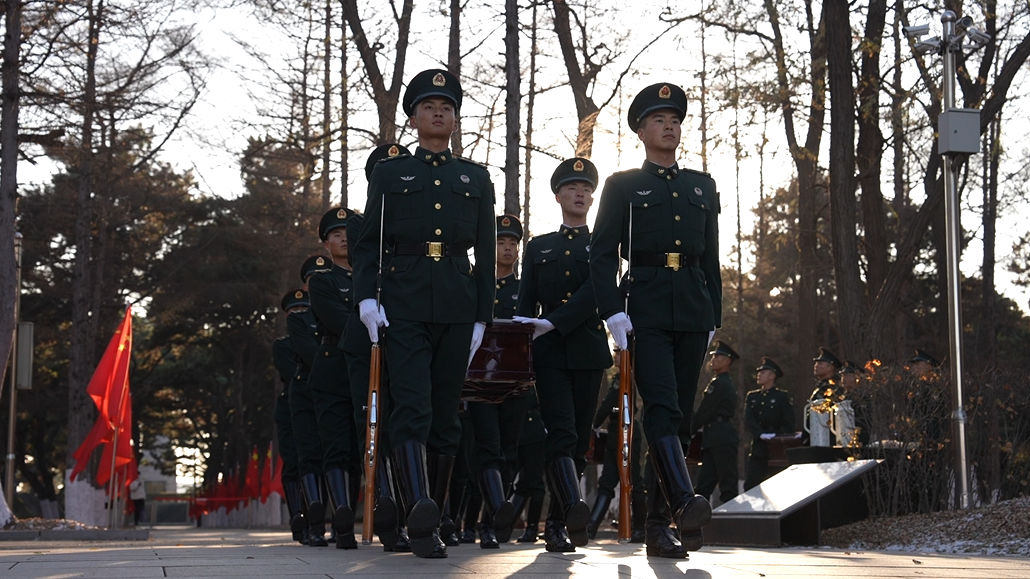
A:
(503, 365)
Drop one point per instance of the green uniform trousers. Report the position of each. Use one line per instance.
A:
(305, 428)
(718, 467)
(666, 368)
(284, 433)
(334, 408)
(496, 430)
(567, 401)
(427, 365)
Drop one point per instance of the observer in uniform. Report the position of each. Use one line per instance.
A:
(768, 411)
(570, 349)
(286, 366)
(434, 208)
(719, 440)
(675, 301)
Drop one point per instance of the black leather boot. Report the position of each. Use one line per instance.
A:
(487, 536)
(471, 518)
(689, 510)
(556, 538)
(576, 513)
(439, 467)
(343, 514)
(384, 517)
(530, 535)
(498, 509)
(293, 505)
(423, 515)
(597, 514)
(659, 539)
(639, 515)
(314, 498)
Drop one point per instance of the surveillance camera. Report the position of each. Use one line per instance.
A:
(916, 31)
(976, 37)
(926, 46)
(963, 24)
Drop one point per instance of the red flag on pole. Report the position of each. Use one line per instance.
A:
(250, 480)
(277, 480)
(109, 389)
(266, 475)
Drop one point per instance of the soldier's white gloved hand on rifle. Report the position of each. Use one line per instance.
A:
(540, 325)
(373, 317)
(767, 435)
(478, 331)
(619, 326)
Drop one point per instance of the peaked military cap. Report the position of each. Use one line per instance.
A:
(509, 225)
(381, 152)
(294, 299)
(723, 349)
(313, 265)
(827, 356)
(923, 356)
(434, 82)
(768, 363)
(663, 95)
(852, 367)
(333, 219)
(574, 169)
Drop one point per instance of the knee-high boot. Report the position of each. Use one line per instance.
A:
(293, 505)
(423, 515)
(500, 511)
(385, 515)
(439, 467)
(556, 538)
(658, 536)
(639, 515)
(536, 505)
(597, 514)
(338, 482)
(575, 511)
(689, 510)
(314, 498)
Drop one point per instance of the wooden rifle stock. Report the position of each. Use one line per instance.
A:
(625, 442)
(375, 375)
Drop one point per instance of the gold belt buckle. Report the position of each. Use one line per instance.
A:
(672, 260)
(434, 249)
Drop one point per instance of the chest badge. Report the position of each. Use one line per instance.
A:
(345, 289)
(407, 177)
(545, 251)
(514, 296)
(464, 179)
(697, 191)
(648, 192)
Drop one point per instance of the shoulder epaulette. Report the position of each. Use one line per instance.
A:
(755, 391)
(696, 172)
(387, 159)
(471, 162)
(543, 235)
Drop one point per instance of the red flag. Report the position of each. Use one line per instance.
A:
(123, 455)
(266, 475)
(109, 389)
(251, 480)
(277, 480)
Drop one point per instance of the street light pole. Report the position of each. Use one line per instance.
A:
(12, 417)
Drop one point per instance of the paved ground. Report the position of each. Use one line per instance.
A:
(203, 553)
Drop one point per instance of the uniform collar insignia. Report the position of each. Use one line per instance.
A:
(407, 177)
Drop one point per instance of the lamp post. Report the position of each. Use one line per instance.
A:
(958, 134)
(12, 417)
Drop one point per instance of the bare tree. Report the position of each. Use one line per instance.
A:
(512, 110)
(454, 63)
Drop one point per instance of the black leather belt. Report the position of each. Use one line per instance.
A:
(429, 249)
(548, 308)
(671, 260)
(330, 340)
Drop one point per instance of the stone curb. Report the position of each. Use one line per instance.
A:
(80, 535)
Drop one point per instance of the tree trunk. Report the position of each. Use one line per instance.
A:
(842, 175)
(344, 119)
(512, 108)
(530, 103)
(327, 106)
(454, 65)
(988, 324)
(586, 109)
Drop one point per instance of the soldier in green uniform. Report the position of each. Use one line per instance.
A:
(357, 353)
(768, 411)
(827, 379)
(570, 349)
(495, 427)
(529, 489)
(302, 327)
(714, 416)
(668, 217)
(608, 412)
(286, 365)
(332, 303)
(434, 207)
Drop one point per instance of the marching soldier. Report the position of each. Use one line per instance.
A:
(331, 303)
(669, 218)
(529, 489)
(357, 348)
(570, 349)
(434, 207)
(768, 411)
(715, 416)
(286, 365)
(827, 378)
(302, 327)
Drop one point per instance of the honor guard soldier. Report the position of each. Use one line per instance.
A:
(851, 378)
(665, 220)
(928, 404)
(923, 365)
(286, 366)
(714, 416)
(570, 349)
(357, 353)
(302, 328)
(332, 303)
(768, 411)
(509, 235)
(434, 306)
(827, 380)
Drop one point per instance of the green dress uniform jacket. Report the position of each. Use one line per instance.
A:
(429, 198)
(769, 410)
(715, 413)
(285, 366)
(556, 285)
(302, 327)
(673, 211)
(507, 297)
(331, 298)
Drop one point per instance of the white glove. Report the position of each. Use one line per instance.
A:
(477, 339)
(711, 335)
(767, 435)
(619, 326)
(372, 317)
(540, 325)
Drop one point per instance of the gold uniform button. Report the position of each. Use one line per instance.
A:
(438, 206)
(645, 204)
(702, 206)
(669, 176)
(568, 273)
(466, 194)
(437, 182)
(435, 164)
(498, 286)
(497, 301)
(568, 295)
(443, 157)
(570, 237)
(599, 326)
(438, 232)
(678, 242)
(393, 269)
(405, 190)
(503, 282)
(567, 252)
(677, 217)
(675, 194)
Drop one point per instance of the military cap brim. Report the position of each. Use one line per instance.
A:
(723, 349)
(333, 219)
(770, 364)
(852, 367)
(923, 356)
(574, 169)
(663, 95)
(387, 151)
(313, 265)
(509, 225)
(434, 82)
(827, 356)
(294, 299)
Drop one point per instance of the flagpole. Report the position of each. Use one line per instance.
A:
(111, 481)
(121, 415)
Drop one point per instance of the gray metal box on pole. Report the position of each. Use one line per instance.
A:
(958, 131)
(23, 352)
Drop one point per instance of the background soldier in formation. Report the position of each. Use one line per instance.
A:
(286, 366)
(675, 301)
(434, 306)
(768, 411)
(827, 381)
(714, 416)
(570, 349)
